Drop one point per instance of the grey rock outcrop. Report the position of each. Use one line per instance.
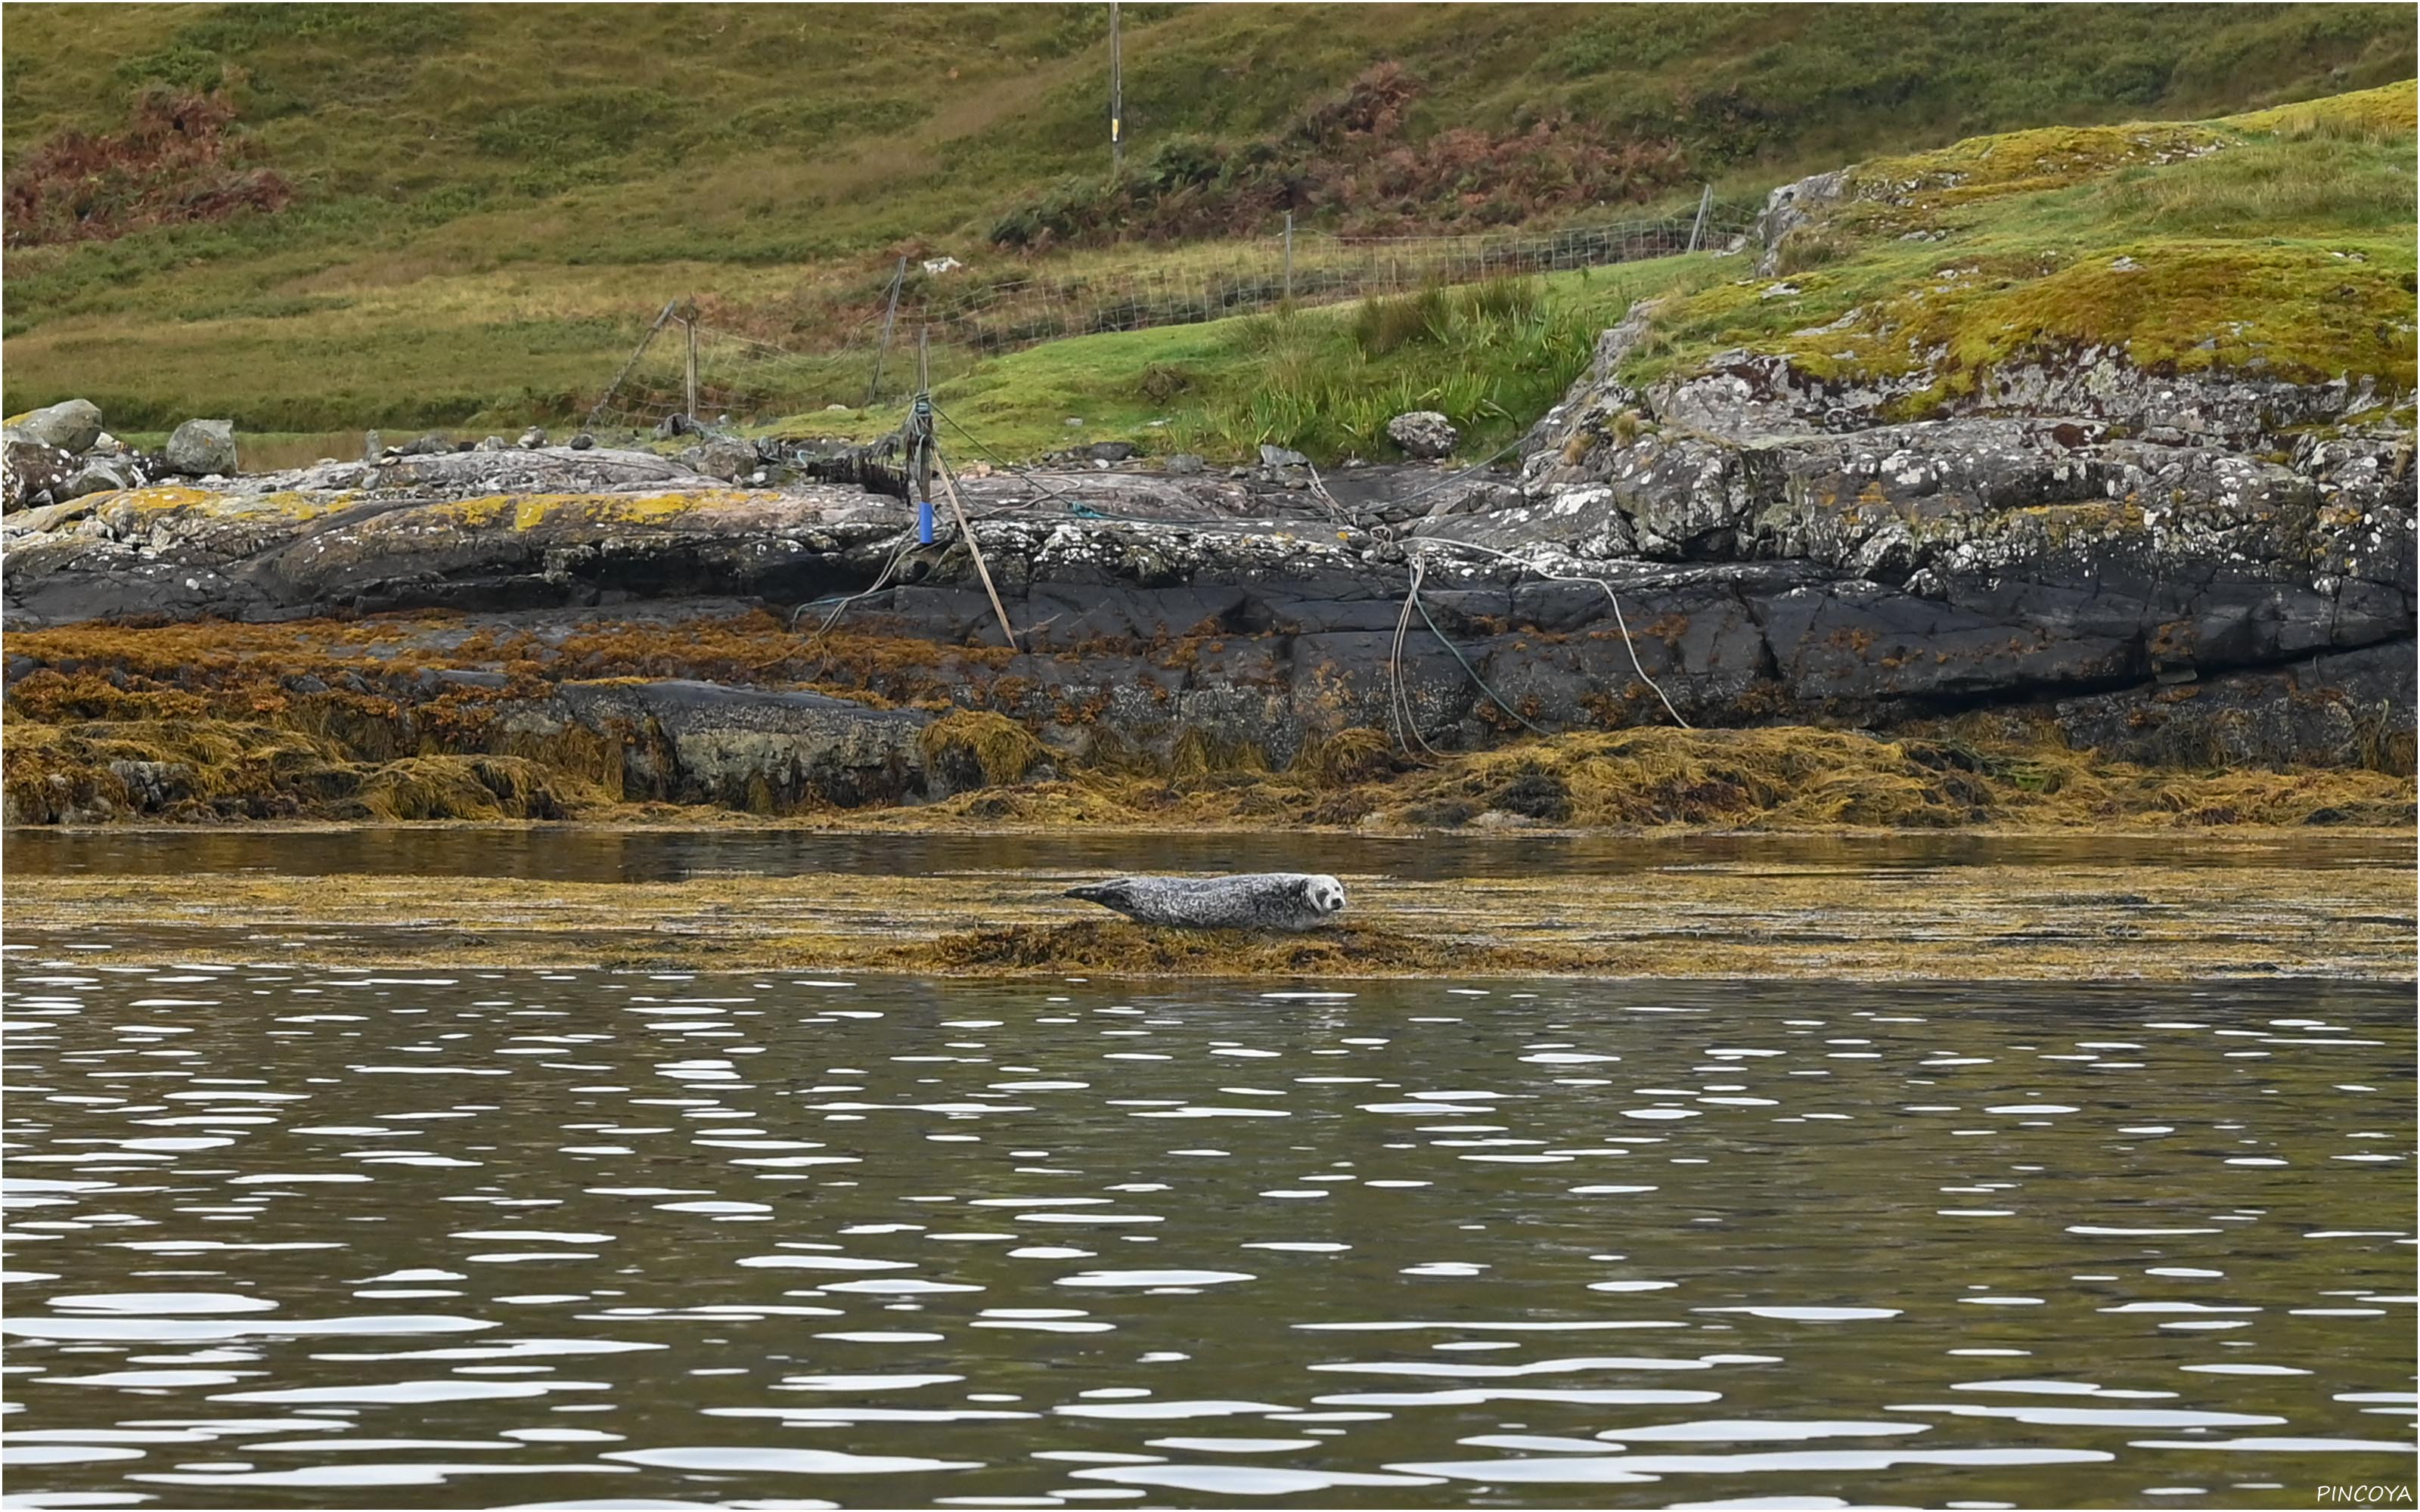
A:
(202, 447)
(1793, 205)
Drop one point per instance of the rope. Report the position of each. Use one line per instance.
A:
(1414, 597)
(1623, 624)
(1401, 715)
(1399, 698)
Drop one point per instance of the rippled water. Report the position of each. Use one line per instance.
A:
(280, 1237)
(603, 854)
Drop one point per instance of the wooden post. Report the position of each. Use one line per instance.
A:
(1705, 203)
(889, 318)
(1288, 256)
(637, 352)
(950, 488)
(1117, 99)
(689, 386)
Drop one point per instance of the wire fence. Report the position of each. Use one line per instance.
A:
(687, 367)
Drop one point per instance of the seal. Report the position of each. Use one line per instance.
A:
(1257, 900)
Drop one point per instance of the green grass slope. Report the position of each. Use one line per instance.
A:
(2277, 242)
(488, 201)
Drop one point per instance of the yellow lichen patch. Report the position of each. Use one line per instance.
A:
(165, 498)
(533, 510)
(473, 513)
(2019, 163)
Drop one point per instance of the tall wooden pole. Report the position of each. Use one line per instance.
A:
(690, 383)
(1117, 99)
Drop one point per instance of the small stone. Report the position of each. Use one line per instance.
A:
(1110, 451)
(432, 443)
(1424, 434)
(531, 439)
(1074, 422)
(583, 441)
(1183, 464)
(836, 408)
(489, 443)
(1278, 456)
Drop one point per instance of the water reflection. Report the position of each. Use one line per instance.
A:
(575, 854)
(564, 1237)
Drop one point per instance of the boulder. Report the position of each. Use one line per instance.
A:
(202, 447)
(676, 425)
(429, 444)
(489, 443)
(373, 446)
(72, 425)
(1110, 451)
(583, 441)
(531, 439)
(730, 460)
(1793, 205)
(1185, 465)
(99, 474)
(33, 474)
(1424, 434)
(1278, 456)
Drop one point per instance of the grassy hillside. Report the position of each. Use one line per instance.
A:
(2279, 241)
(483, 204)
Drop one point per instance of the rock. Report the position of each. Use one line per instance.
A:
(1424, 434)
(489, 443)
(1793, 205)
(202, 447)
(432, 443)
(730, 460)
(33, 474)
(72, 425)
(531, 439)
(1184, 465)
(675, 426)
(1110, 451)
(583, 441)
(373, 446)
(99, 474)
(840, 409)
(1278, 456)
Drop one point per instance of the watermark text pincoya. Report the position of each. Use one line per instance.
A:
(2366, 1496)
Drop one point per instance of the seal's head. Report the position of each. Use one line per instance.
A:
(1324, 893)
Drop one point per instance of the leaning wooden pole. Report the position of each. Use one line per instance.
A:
(950, 490)
(611, 389)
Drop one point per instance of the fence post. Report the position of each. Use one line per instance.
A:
(689, 386)
(615, 387)
(1117, 101)
(889, 318)
(1288, 256)
(1705, 203)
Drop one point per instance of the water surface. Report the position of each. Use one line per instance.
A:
(568, 854)
(286, 1237)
